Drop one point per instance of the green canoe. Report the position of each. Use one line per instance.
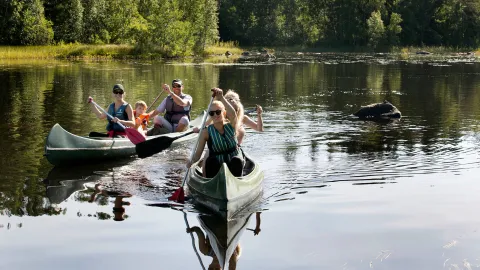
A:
(63, 147)
(226, 194)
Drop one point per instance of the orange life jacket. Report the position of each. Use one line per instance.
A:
(141, 120)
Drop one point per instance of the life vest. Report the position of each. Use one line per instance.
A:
(121, 114)
(141, 120)
(223, 146)
(174, 111)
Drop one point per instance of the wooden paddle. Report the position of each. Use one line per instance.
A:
(133, 135)
(154, 101)
(179, 194)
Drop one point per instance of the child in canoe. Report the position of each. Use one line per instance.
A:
(141, 117)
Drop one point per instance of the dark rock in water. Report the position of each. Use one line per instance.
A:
(268, 57)
(245, 53)
(423, 52)
(378, 110)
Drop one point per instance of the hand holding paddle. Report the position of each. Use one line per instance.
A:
(132, 134)
(179, 194)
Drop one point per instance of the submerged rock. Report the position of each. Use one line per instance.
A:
(383, 110)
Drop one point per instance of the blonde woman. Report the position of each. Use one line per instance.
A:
(232, 97)
(234, 100)
(221, 139)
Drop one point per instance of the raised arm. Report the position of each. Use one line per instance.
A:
(231, 114)
(178, 100)
(258, 126)
(95, 110)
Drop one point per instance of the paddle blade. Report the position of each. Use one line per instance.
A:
(135, 136)
(151, 147)
(97, 134)
(178, 196)
(156, 145)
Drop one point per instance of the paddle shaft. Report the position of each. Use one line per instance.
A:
(154, 102)
(107, 114)
(198, 140)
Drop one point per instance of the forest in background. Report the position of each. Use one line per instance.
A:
(185, 27)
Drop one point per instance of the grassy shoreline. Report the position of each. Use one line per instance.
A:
(105, 52)
(83, 51)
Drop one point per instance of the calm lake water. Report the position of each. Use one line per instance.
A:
(339, 193)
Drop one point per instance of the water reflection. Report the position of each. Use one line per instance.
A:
(118, 203)
(220, 239)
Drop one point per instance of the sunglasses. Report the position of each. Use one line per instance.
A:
(176, 86)
(118, 92)
(212, 113)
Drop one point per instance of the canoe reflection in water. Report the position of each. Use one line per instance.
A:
(118, 209)
(221, 237)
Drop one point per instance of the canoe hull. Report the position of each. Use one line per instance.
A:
(63, 147)
(225, 194)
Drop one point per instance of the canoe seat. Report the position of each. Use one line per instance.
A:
(249, 166)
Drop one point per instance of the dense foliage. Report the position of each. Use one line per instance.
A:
(176, 27)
